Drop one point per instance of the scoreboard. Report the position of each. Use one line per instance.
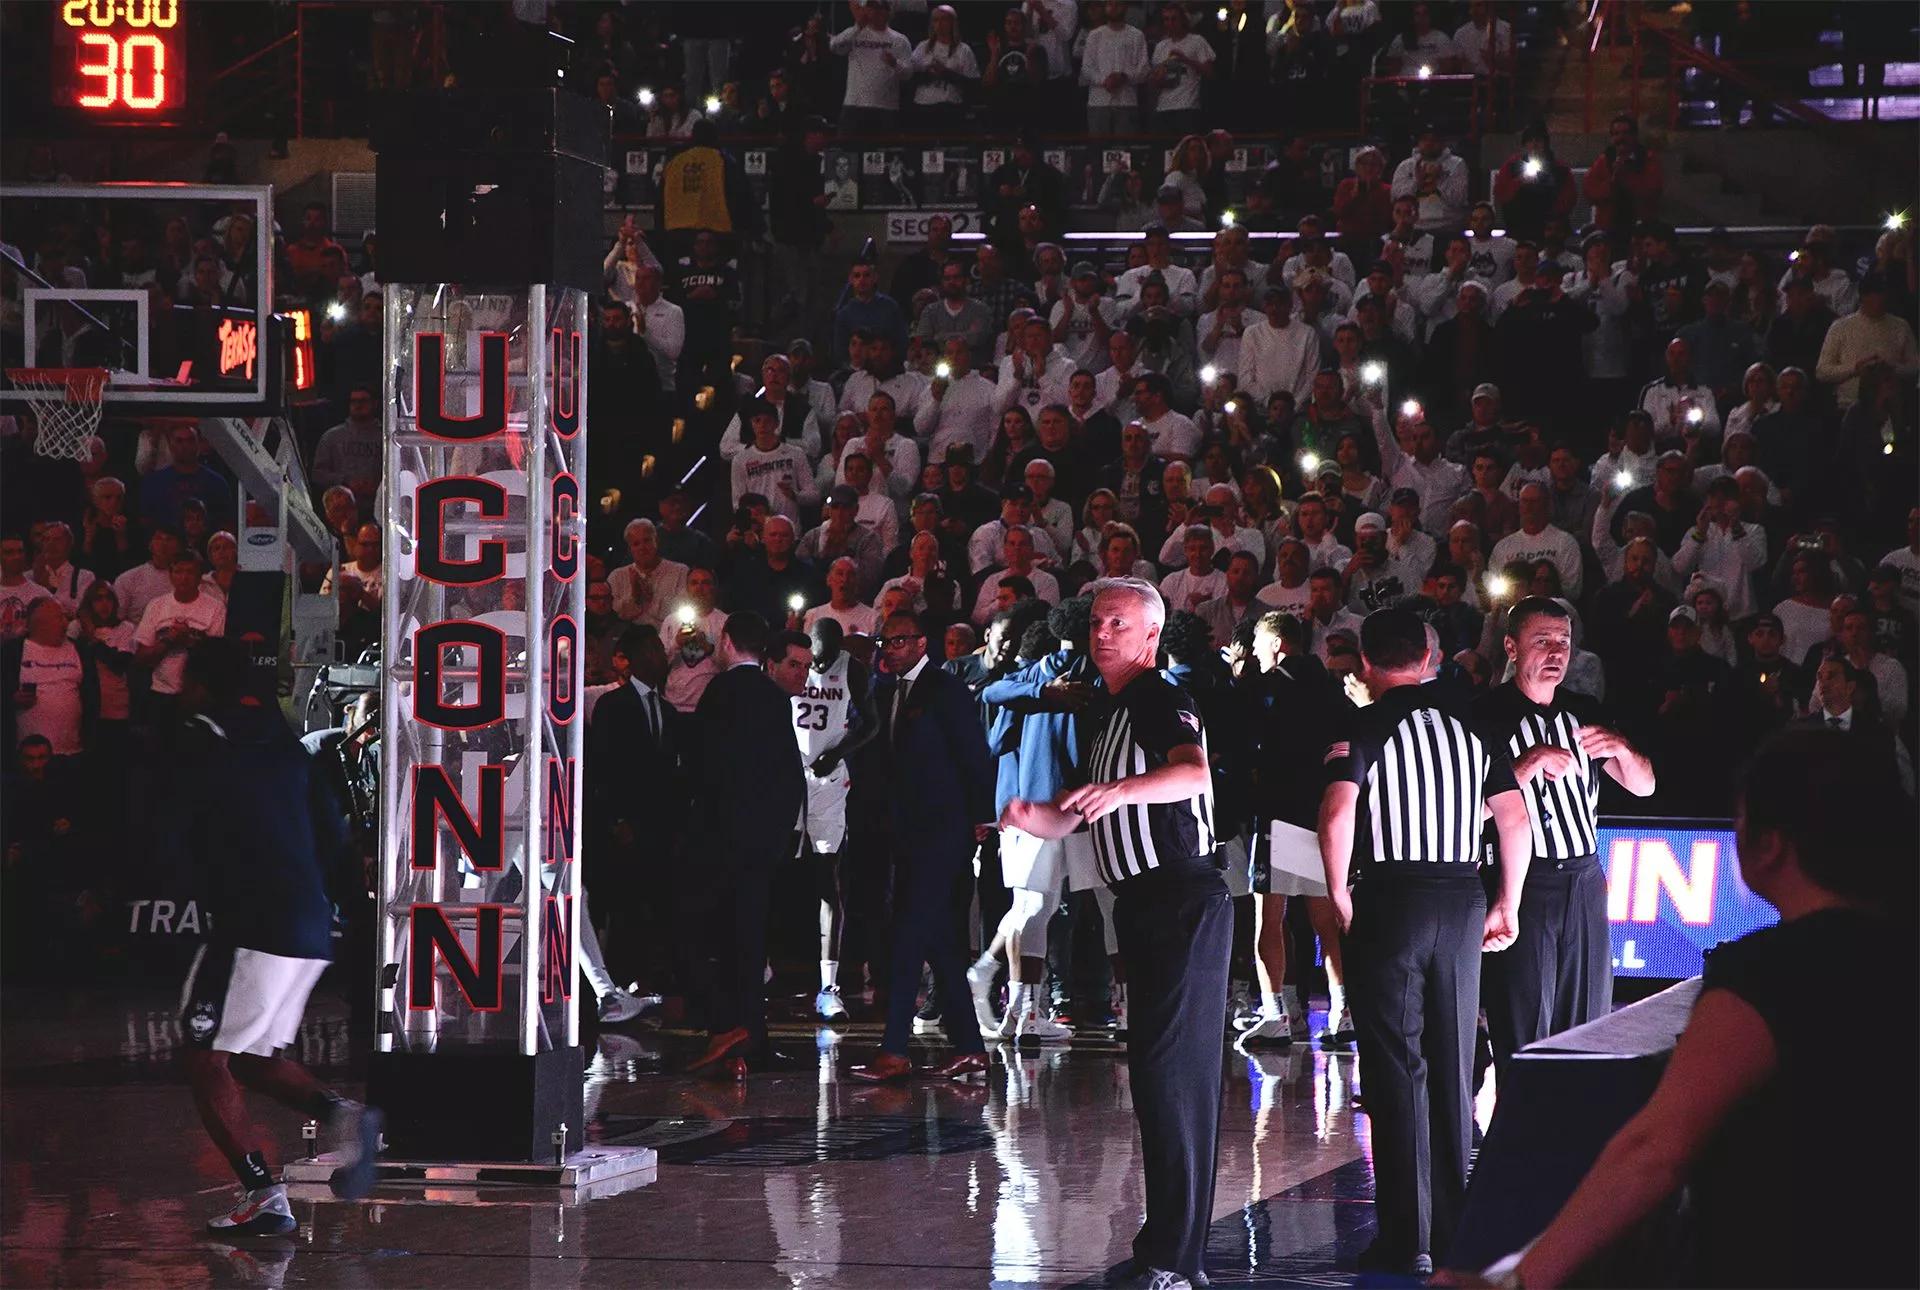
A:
(120, 61)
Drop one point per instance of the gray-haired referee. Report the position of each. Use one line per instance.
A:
(1402, 814)
(1149, 798)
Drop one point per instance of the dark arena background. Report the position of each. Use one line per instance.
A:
(433, 434)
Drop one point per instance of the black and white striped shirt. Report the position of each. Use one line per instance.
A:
(1564, 816)
(1422, 771)
(1143, 724)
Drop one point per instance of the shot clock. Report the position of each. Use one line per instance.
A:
(120, 60)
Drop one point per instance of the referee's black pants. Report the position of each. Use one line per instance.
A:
(1558, 973)
(1413, 983)
(1175, 930)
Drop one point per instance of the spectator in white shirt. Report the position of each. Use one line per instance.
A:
(1484, 44)
(882, 373)
(1051, 516)
(962, 406)
(776, 374)
(1323, 550)
(143, 584)
(1199, 581)
(171, 625)
(773, 467)
(1113, 66)
(1278, 351)
(878, 60)
(671, 119)
(1174, 436)
(988, 542)
(1288, 591)
(1724, 549)
(944, 69)
(1419, 466)
(49, 699)
(1219, 332)
(54, 569)
(1537, 539)
(1016, 561)
(701, 598)
(1679, 408)
(1183, 289)
(1083, 319)
(1422, 45)
(647, 589)
(843, 604)
(877, 512)
(1037, 373)
(1436, 180)
(1181, 60)
(660, 322)
(895, 457)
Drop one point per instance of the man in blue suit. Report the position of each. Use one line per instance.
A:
(938, 782)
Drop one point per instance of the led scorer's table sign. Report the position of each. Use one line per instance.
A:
(1673, 892)
(120, 60)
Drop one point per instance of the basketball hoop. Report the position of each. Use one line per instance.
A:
(66, 403)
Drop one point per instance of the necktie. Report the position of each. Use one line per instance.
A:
(1834, 722)
(650, 702)
(899, 702)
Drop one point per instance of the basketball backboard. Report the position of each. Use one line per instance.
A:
(169, 286)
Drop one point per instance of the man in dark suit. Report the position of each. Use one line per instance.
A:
(748, 790)
(636, 805)
(938, 782)
(1841, 701)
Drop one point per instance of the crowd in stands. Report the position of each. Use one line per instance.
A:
(1393, 392)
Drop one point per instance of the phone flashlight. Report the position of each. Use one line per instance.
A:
(1896, 221)
(1623, 481)
(1498, 586)
(1373, 373)
(1425, 71)
(1309, 462)
(1531, 169)
(713, 104)
(943, 370)
(1411, 408)
(796, 602)
(687, 615)
(335, 311)
(1230, 407)
(646, 97)
(1695, 416)
(1209, 374)
(1226, 219)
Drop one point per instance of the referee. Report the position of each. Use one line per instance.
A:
(1402, 813)
(1559, 973)
(1149, 800)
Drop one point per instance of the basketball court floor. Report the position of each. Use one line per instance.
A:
(798, 1178)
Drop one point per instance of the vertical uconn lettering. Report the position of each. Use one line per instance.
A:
(430, 389)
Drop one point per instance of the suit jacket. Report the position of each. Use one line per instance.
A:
(939, 774)
(748, 784)
(632, 773)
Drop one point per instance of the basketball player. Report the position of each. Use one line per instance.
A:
(832, 717)
(246, 820)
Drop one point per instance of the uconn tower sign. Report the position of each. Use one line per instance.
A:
(489, 208)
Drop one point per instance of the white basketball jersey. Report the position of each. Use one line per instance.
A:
(823, 711)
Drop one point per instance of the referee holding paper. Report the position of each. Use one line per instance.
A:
(1149, 798)
(1559, 973)
(1402, 817)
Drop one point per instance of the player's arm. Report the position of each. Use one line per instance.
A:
(862, 722)
(1339, 811)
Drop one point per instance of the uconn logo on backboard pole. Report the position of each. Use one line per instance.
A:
(463, 670)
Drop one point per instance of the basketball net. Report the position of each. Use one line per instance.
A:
(66, 404)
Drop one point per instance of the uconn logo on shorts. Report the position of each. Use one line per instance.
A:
(203, 1021)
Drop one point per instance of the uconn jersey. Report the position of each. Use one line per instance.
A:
(1423, 772)
(1563, 815)
(822, 713)
(1141, 726)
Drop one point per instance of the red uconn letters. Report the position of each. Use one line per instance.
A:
(460, 675)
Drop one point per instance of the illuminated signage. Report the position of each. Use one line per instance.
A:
(1673, 894)
(481, 764)
(302, 349)
(119, 60)
(239, 347)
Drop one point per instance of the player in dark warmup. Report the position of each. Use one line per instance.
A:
(244, 812)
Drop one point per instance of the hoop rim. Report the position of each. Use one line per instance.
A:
(80, 384)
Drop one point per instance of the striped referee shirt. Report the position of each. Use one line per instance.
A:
(1144, 722)
(1563, 815)
(1422, 771)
